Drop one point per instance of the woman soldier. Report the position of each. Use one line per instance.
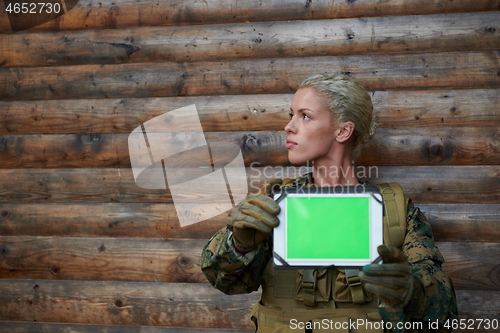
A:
(331, 117)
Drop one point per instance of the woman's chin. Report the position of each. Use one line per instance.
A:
(295, 160)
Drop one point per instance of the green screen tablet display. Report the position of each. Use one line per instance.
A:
(343, 220)
(325, 229)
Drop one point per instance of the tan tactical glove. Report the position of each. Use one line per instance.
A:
(393, 281)
(255, 218)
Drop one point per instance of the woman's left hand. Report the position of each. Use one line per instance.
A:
(392, 281)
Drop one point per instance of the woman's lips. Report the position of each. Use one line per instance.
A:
(290, 144)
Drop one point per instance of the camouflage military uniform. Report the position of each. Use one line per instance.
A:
(433, 298)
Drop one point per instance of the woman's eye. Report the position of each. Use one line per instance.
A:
(306, 116)
(291, 115)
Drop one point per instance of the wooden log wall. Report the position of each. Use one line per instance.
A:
(84, 249)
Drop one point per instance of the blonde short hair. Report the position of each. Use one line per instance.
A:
(348, 101)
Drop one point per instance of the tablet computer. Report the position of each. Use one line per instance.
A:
(328, 226)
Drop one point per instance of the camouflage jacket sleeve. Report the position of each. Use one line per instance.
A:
(229, 271)
(433, 301)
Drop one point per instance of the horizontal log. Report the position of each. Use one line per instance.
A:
(435, 184)
(471, 265)
(260, 112)
(103, 220)
(124, 303)
(476, 310)
(450, 222)
(474, 324)
(448, 70)
(104, 150)
(136, 303)
(406, 146)
(91, 14)
(463, 222)
(433, 146)
(132, 303)
(28, 327)
(380, 35)
(436, 108)
(478, 304)
(145, 260)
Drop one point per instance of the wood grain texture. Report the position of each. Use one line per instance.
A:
(405, 146)
(426, 184)
(470, 265)
(29, 327)
(449, 70)
(478, 304)
(450, 222)
(107, 14)
(463, 258)
(472, 304)
(378, 35)
(124, 303)
(259, 112)
(454, 108)
(102, 259)
(131, 220)
(463, 222)
(84, 249)
(101, 220)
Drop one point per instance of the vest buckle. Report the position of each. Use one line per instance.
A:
(309, 286)
(309, 280)
(352, 277)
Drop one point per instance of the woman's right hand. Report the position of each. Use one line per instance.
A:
(255, 218)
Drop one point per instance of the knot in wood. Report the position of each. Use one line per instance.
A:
(7, 142)
(443, 150)
(249, 142)
(185, 261)
(349, 34)
(4, 250)
(490, 30)
(89, 138)
(129, 48)
(494, 143)
(436, 150)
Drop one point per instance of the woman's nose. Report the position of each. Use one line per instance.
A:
(289, 128)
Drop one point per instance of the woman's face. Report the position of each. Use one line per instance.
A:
(310, 131)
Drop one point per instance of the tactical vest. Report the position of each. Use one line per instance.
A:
(329, 299)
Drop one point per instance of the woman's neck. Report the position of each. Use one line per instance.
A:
(334, 171)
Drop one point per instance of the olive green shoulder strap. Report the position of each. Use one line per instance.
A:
(288, 182)
(395, 210)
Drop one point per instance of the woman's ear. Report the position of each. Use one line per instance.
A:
(345, 131)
